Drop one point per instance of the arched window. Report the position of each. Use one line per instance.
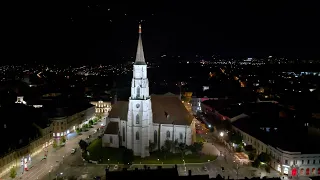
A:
(123, 133)
(137, 119)
(168, 134)
(138, 91)
(181, 136)
(137, 135)
(111, 140)
(155, 136)
(301, 171)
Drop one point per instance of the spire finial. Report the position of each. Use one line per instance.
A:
(140, 31)
(140, 55)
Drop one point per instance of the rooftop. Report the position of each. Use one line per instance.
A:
(112, 128)
(18, 118)
(268, 123)
(162, 105)
(219, 104)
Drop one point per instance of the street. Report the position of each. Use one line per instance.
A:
(46, 168)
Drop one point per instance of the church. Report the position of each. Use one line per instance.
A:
(146, 118)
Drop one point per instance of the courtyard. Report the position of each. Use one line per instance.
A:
(116, 156)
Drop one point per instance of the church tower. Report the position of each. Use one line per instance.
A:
(139, 111)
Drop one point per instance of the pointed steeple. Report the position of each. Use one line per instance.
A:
(140, 55)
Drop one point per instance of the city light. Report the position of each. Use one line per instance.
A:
(221, 134)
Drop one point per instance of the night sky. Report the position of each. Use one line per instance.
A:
(107, 33)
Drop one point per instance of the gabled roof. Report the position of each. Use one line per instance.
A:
(166, 110)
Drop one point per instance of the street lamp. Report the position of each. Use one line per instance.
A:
(221, 134)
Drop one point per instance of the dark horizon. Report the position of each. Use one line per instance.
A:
(84, 33)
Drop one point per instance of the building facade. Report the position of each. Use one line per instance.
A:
(289, 163)
(62, 126)
(101, 106)
(13, 159)
(146, 119)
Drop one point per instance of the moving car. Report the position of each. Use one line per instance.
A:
(73, 150)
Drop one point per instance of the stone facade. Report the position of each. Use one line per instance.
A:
(289, 163)
(101, 106)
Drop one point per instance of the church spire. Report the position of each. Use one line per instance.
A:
(140, 55)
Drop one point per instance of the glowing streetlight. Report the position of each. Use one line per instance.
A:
(221, 134)
(209, 125)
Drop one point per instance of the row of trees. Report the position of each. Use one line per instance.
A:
(61, 142)
(262, 161)
(175, 146)
(85, 127)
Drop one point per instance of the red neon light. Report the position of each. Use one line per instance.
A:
(294, 172)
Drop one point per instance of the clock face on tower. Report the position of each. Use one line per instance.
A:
(137, 105)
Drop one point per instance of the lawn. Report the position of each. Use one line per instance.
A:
(199, 138)
(114, 156)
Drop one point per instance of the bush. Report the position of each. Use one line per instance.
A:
(13, 172)
(251, 156)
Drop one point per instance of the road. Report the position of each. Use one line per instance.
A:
(41, 168)
(228, 161)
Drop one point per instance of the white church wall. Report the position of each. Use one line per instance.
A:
(110, 140)
(180, 133)
(136, 139)
(123, 133)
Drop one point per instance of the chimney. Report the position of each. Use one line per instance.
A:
(189, 173)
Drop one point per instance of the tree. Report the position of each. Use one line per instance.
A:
(85, 126)
(78, 130)
(151, 146)
(13, 172)
(63, 139)
(98, 116)
(90, 122)
(251, 156)
(236, 138)
(264, 157)
(54, 144)
(256, 163)
(182, 148)
(83, 145)
(196, 147)
(167, 145)
(127, 156)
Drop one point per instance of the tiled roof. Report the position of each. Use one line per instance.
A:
(161, 106)
(112, 128)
